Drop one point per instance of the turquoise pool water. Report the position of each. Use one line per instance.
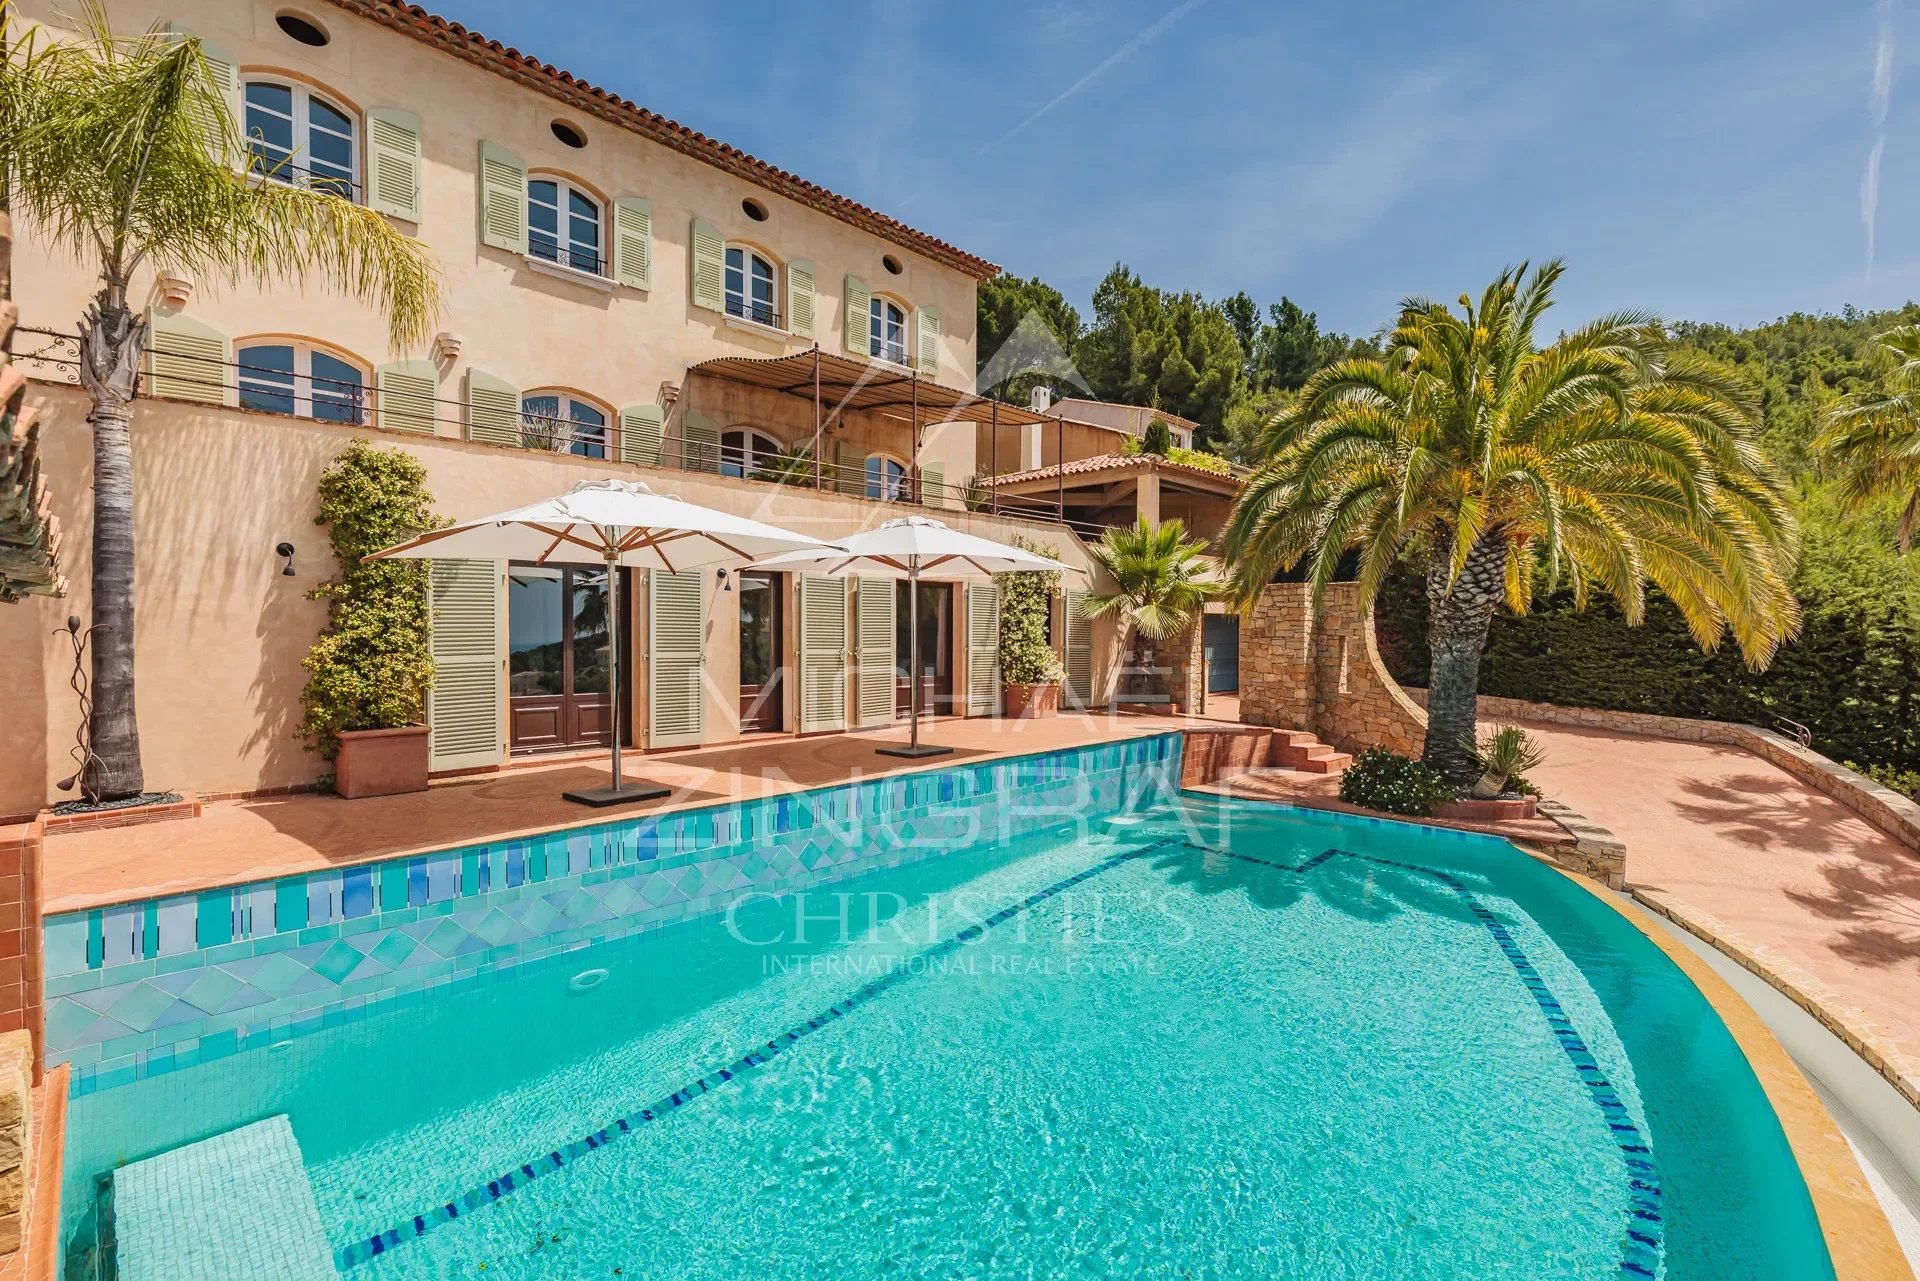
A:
(1219, 1040)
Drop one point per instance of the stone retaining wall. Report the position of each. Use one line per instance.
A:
(1319, 669)
(1896, 815)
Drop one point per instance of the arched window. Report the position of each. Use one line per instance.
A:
(750, 280)
(564, 225)
(886, 478)
(563, 424)
(745, 451)
(297, 137)
(888, 330)
(300, 380)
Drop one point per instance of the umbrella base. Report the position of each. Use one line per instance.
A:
(914, 752)
(626, 794)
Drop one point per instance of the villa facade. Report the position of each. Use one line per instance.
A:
(622, 297)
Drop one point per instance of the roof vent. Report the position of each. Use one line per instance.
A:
(1042, 399)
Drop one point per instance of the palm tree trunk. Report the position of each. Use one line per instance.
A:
(112, 340)
(1459, 617)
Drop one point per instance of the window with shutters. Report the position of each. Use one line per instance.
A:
(887, 330)
(751, 282)
(300, 380)
(298, 137)
(565, 225)
(563, 423)
(744, 451)
(886, 478)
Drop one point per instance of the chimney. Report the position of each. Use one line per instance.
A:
(1042, 399)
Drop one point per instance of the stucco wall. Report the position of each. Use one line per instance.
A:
(1319, 669)
(534, 331)
(222, 631)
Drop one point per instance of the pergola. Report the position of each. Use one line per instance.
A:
(836, 383)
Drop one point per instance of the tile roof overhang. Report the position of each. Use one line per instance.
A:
(847, 383)
(1122, 464)
(452, 38)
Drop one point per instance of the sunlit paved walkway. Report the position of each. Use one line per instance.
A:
(1729, 834)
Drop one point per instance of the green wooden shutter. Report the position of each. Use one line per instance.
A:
(187, 360)
(1079, 650)
(465, 706)
(859, 317)
(800, 297)
(641, 429)
(633, 242)
(404, 396)
(983, 649)
(493, 409)
(933, 484)
(393, 162)
(503, 198)
(874, 613)
(709, 266)
(823, 654)
(926, 340)
(849, 469)
(676, 640)
(699, 442)
(223, 140)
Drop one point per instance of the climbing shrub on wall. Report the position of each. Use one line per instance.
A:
(1026, 601)
(371, 667)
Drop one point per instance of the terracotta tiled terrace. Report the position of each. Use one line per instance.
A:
(236, 841)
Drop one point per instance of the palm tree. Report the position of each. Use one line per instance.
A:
(1163, 582)
(1874, 436)
(119, 149)
(1604, 460)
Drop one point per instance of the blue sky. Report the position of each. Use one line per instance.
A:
(1704, 159)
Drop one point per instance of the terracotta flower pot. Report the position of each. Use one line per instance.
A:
(381, 762)
(1032, 701)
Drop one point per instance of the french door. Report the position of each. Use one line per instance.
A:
(762, 689)
(557, 658)
(936, 648)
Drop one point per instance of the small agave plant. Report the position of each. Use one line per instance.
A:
(1504, 755)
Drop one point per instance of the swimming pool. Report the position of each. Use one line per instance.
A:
(1189, 1038)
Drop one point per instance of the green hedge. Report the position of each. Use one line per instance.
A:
(1852, 676)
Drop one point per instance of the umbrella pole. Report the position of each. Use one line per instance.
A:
(617, 793)
(913, 748)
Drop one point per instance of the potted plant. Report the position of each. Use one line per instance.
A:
(1164, 585)
(1503, 756)
(1030, 672)
(367, 675)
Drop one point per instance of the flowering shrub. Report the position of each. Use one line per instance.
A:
(1387, 781)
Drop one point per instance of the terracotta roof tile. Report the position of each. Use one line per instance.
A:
(453, 38)
(1113, 462)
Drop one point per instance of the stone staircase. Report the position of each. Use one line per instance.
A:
(1299, 750)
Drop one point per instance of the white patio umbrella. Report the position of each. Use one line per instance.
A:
(911, 548)
(611, 523)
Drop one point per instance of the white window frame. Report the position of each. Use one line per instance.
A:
(742, 299)
(301, 389)
(565, 250)
(539, 431)
(751, 457)
(878, 487)
(877, 318)
(292, 172)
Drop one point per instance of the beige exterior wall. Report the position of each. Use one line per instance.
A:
(528, 326)
(222, 630)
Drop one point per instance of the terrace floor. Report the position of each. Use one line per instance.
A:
(1722, 832)
(238, 841)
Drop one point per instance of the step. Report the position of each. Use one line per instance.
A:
(235, 1205)
(1293, 738)
(1333, 764)
(1295, 755)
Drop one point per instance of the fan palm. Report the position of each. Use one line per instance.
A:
(121, 150)
(1874, 436)
(1163, 582)
(1604, 460)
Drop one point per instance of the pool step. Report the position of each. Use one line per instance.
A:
(1297, 749)
(235, 1205)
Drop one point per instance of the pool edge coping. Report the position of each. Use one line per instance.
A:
(1860, 1240)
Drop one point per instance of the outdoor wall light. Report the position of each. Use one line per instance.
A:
(721, 576)
(285, 549)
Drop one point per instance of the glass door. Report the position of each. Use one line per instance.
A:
(761, 692)
(557, 658)
(936, 649)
